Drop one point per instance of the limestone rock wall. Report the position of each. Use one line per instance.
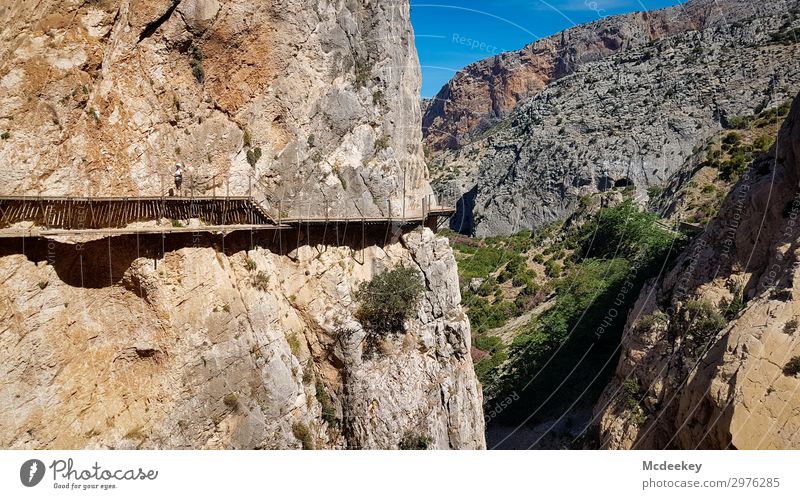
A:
(104, 346)
(210, 342)
(104, 96)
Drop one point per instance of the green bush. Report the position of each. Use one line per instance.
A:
(260, 281)
(494, 346)
(326, 404)
(648, 322)
(632, 392)
(484, 316)
(385, 302)
(231, 400)
(196, 62)
(732, 138)
(552, 268)
(302, 433)
(792, 368)
(414, 441)
(790, 327)
(253, 155)
(625, 232)
(732, 307)
(702, 321)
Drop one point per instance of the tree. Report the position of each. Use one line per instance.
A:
(385, 302)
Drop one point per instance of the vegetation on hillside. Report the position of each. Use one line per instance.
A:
(571, 344)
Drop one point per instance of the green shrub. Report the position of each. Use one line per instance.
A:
(648, 322)
(231, 400)
(552, 268)
(731, 308)
(763, 143)
(792, 368)
(494, 346)
(414, 441)
(484, 316)
(5, 135)
(654, 192)
(702, 322)
(363, 73)
(790, 327)
(302, 433)
(385, 302)
(732, 138)
(381, 143)
(250, 264)
(42, 284)
(623, 231)
(196, 63)
(326, 404)
(481, 262)
(253, 155)
(631, 391)
(261, 281)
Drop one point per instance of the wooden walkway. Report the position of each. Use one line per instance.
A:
(64, 216)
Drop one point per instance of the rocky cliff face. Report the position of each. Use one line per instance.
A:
(685, 380)
(635, 116)
(246, 341)
(201, 346)
(322, 98)
(484, 92)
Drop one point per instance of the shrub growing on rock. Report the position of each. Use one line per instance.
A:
(385, 302)
(792, 368)
(414, 441)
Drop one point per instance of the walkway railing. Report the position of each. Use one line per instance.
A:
(249, 207)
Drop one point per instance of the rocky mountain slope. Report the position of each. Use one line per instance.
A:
(710, 355)
(634, 116)
(488, 90)
(208, 342)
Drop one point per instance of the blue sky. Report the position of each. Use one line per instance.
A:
(452, 34)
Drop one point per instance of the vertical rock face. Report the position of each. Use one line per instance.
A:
(684, 383)
(236, 342)
(318, 101)
(107, 346)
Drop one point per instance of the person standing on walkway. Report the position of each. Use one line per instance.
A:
(178, 177)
